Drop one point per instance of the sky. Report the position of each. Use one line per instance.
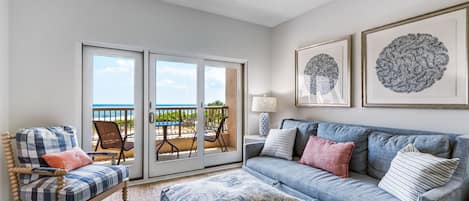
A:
(113, 82)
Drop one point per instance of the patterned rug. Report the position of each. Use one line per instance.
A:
(235, 186)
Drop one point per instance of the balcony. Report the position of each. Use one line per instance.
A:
(180, 135)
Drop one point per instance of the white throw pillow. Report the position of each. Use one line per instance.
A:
(279, 143)
(413, 173)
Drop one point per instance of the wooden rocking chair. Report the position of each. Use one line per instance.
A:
(27, 180)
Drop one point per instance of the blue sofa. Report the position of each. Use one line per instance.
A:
(370, 161)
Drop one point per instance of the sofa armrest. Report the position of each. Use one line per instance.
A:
(453, 190)
(252, 150)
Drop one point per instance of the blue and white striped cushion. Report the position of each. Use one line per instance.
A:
(413, 173)
(279, 143)
(80, 184)
(32, 143)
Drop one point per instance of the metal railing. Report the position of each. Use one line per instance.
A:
(187, 116)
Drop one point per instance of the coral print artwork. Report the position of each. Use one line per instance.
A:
(323, 74)
(420, 62)
(412, 63)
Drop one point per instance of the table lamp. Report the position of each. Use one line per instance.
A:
(264, 105)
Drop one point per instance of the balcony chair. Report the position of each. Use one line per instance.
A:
(33, 180)
(210, 138)
(110, 138)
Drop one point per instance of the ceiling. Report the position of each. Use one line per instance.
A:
(268, 13)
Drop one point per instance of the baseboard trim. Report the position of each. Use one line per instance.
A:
(186, 174)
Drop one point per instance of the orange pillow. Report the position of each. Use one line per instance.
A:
(68, 160)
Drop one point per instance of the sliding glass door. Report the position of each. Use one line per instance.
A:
(112, 105)
(176, 126)
(196, 114)
(223, 112)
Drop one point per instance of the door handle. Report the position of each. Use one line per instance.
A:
(151, 117)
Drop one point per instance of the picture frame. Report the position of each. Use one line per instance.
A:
(419, 62)
(323, 74)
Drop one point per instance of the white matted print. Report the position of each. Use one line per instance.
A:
(419, 62)
(323, 74)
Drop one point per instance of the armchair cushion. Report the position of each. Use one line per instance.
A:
(80, 184)
(33, 143)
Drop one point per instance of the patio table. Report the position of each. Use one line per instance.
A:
(164, 125)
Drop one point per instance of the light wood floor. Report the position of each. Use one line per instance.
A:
(151, 192)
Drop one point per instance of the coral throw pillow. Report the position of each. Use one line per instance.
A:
(328, 155)
(68, 160)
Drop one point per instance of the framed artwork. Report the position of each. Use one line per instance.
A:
(421, 62)
(323, 74)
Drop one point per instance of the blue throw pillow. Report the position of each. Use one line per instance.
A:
(345, 133)
(383, 147)
(305, 129)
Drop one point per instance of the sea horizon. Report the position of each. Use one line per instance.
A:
(130, 105)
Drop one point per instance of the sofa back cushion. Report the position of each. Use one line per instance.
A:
(33, 143)
(383, 147)
(345, 133)
(304, 130)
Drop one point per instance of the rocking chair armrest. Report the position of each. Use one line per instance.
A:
(43, 171)
(111, 154)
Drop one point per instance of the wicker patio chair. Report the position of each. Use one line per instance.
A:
(33, 180)
(217, 138)
(110, 138)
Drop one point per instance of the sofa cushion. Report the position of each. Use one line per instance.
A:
(80, 184)
(344, 133)
(305, 129)
(413, 173)
(383, 147)
(328, 155)
(318, 183)
(279, 143)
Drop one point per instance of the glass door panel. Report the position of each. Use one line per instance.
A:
(222, 112)
(112, 105)
(175, 97)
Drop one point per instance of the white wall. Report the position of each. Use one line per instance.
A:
(45, 80)
(338, 19)
(4, 190)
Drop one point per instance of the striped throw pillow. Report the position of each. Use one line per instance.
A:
(413, 173)
(279, 143)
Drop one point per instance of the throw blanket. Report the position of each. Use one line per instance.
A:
(236, 186)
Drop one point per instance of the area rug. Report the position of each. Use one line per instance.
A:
(233, 186)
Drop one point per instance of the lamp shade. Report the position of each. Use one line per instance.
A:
(264, 104)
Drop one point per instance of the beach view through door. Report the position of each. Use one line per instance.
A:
(112, 108)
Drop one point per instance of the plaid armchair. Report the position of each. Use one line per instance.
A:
(34, 180)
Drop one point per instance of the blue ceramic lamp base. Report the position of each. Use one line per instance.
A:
(264, 124)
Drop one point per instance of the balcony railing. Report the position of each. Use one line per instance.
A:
(125, 117)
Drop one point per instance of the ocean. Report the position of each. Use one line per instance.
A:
(120, 114)
(131, 105)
